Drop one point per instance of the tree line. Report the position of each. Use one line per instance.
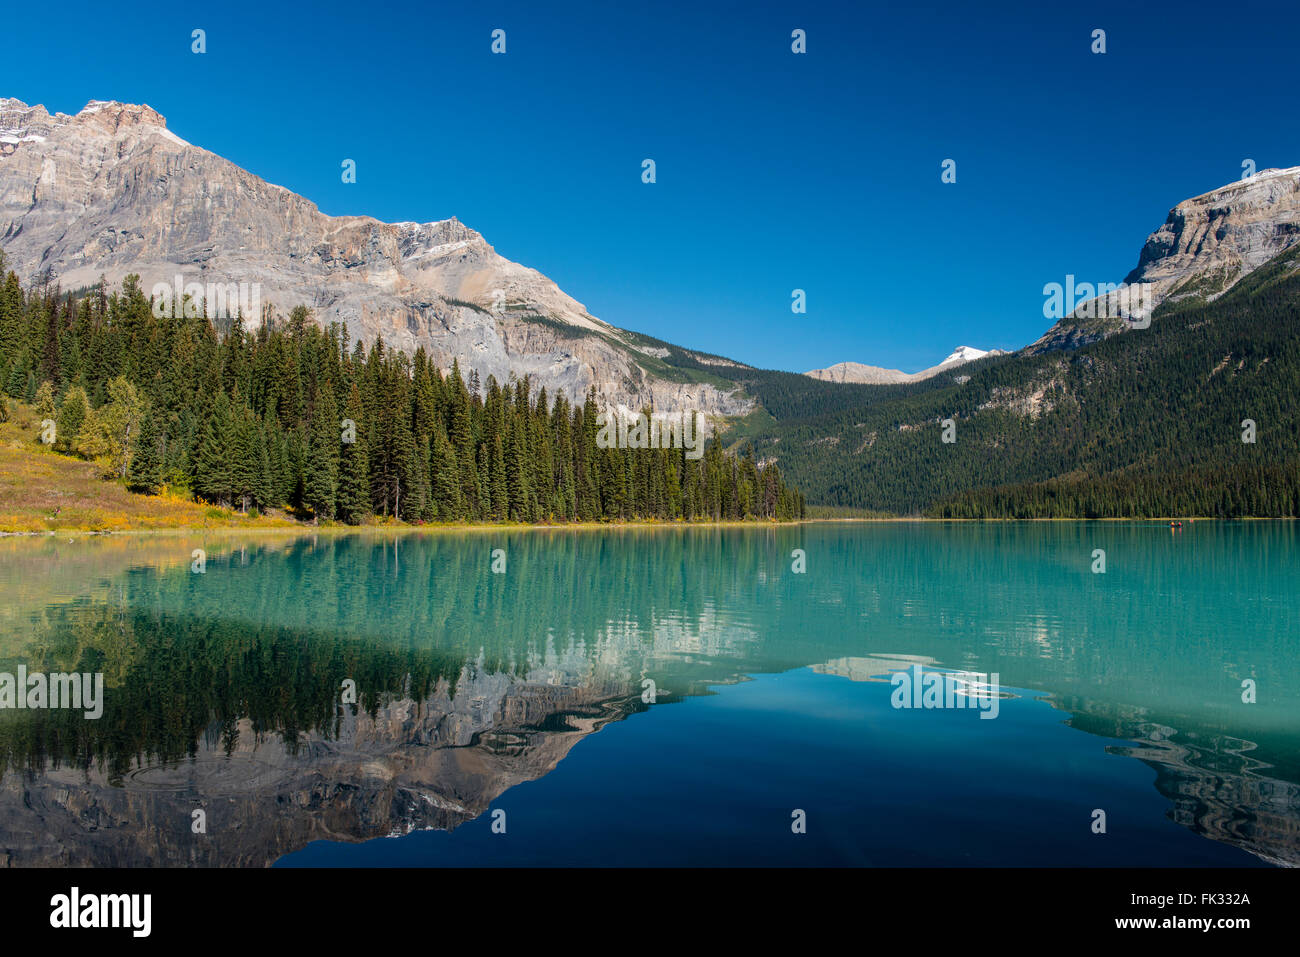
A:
(292, 415)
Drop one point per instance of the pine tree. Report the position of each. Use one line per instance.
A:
(516, 455)
(428, 508)
(320, 475)
(354, 467)
(146, 469)
(11, 318)
(210, 468)
(245, 467)
(264, 485)
(497, 487)
(16, 382)
(446, 480)
(252, 419)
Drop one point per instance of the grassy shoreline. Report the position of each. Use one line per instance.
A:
(44, 492)
(293, 528)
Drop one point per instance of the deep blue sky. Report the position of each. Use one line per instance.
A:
(775, 170)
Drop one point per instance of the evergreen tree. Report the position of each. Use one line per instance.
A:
(446, 480)
(354, 467)
(245, 466)
(211, 471)
(145, 472)
(320, 476)
(253, 420)
(264, 482)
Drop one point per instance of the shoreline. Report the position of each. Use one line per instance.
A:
(338, 529)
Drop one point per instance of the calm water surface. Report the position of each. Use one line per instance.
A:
(660, 697)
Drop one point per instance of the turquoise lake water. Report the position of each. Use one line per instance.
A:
(701, 696)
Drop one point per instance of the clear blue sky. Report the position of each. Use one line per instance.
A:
(775, 171)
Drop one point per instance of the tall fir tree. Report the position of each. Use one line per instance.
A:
(353, 503)
(145, 473)
(320, 473)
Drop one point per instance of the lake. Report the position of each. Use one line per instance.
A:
(883, 694)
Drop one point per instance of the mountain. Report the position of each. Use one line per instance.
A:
(1206, 245)
(1191, 413)
(1101, 415)
(111, 191)
(433, 763)
(856, 372)
(967, 354)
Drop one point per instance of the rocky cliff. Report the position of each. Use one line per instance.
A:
(1206, 245)
(111, 191)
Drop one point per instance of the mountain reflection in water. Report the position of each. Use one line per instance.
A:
(225, 690)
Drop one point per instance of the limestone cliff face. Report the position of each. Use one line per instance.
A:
(1206, 246)
(111, 191)
(1223, 235)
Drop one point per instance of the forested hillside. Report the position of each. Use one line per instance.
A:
(1146, 423)
(257, 420)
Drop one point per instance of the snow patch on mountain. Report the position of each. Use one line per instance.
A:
(968, 354)
(859, 374)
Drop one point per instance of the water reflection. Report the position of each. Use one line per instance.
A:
(225, 688)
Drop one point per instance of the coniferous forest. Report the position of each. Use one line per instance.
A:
(1194, 416)
(295, 416)
(1149, 423)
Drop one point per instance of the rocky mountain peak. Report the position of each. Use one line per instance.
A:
(1228, 231)
(1205, 246)
(859, 374)
(21, 124)
(112, 115)
(968, 354)
(111, 191)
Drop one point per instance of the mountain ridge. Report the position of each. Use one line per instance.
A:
(153, 200)
(861, 374)
(161, 207)
(110, 191)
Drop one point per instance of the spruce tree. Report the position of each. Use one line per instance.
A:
(244, 463)
(497, 488)
(320, 473)
(446, 480)
(264, 484)
(353, 502)
(146, 469)
(253, 419)
(45, 400)
(210, 468)
(517, 471)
